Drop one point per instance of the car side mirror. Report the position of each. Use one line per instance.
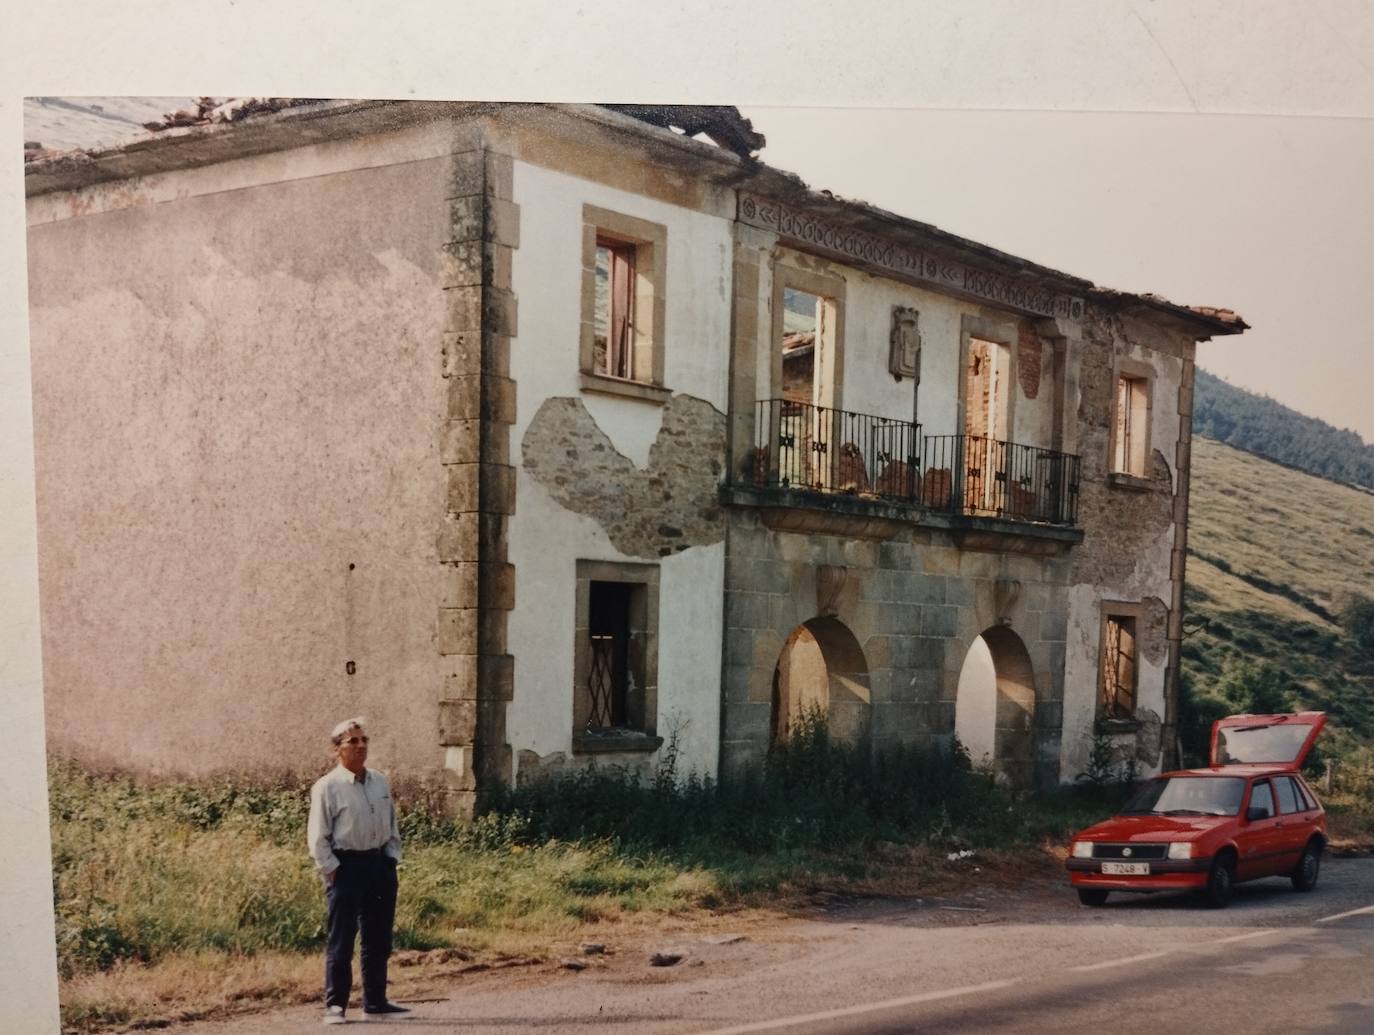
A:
(1255, 812)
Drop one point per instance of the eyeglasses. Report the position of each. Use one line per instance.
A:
(353, 740)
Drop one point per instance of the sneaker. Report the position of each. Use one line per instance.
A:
(386, 1008)
(335, 1015)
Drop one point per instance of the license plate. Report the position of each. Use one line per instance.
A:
(1127, 869)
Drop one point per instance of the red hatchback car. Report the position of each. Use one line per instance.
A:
(1249, 815)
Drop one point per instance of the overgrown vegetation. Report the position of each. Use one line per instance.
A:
(812, 793)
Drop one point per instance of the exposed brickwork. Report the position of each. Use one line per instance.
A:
(660, 510)
(479, 584)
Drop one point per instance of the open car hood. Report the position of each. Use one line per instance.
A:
(1282, 741)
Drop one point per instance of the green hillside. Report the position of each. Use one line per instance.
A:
(1259, 424)
(1280, 564)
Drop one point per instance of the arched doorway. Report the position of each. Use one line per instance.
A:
(994, 706)
(822, 668)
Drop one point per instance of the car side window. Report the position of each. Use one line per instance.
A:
(1261, 797)
(1304, 795)
(1288, 799)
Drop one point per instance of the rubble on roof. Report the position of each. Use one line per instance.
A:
(723, 123)
(209, 111)
(1228, 316)
(1225, 321)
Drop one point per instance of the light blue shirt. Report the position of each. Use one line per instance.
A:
(351, 815)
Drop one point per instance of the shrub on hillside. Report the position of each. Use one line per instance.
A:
(1256, 689)
(1357, 619)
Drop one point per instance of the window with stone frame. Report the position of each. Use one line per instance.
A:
(615, 692)
(1131, 422)
(1118, 666)
(623, 305)
(613, 344)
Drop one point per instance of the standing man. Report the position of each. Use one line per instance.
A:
(356, 845)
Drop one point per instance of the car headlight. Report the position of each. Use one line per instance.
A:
(1082, 849)
(1181, 850)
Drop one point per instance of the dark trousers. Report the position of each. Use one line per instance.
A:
(361, 897)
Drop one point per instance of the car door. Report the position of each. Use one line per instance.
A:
(1258, 840)
(1294, 820)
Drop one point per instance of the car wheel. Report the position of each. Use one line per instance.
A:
(1220, 883)
(1304, 878)
(1092, 896)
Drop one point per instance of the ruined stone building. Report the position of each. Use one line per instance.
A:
(546, 433)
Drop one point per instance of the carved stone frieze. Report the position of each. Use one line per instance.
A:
(918, 265)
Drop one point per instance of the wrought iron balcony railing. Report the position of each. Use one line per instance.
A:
(815, 448)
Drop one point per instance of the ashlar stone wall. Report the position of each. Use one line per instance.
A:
(915, 604)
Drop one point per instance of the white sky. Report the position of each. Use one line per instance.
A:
(1270, 216)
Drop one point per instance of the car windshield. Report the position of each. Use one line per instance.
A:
(1260, 743)
(1188, 796)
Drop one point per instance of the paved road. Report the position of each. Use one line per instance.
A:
(993, 961)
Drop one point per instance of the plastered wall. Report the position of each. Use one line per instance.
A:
(636, 458)
(236, 398)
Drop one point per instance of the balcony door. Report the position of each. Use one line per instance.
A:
(987, 423)
(807, 434)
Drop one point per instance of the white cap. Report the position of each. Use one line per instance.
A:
(346, 725)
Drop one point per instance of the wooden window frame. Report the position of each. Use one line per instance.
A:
(828, 369)
(1117, 612)
(643, 246)
(1133, 469)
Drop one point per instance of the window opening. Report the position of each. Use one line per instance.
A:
(809, 438)
(1132, 425)
(613, 341)
(1118, 668)
(611, 680)
(1262, 798)
(985, 425)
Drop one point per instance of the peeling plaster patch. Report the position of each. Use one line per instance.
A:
(1124, 526)
(1028, 349)
(1147, 745)
(533, 768)
(660, 510)
(1159, 462)
(1154, 631)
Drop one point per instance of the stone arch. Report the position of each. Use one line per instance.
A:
(994, 708)
(822, 667)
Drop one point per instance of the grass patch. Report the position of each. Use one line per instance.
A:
(182, 900)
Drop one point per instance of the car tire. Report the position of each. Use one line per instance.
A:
(1092, 896)
(1221, 883)
(1304, 876)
